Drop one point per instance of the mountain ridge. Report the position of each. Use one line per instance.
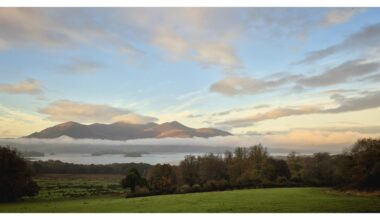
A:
(125, 131)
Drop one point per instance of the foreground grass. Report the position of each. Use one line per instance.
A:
(253, 200)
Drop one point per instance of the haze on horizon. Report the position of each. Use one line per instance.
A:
(305, 77)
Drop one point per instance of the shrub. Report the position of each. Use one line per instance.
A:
(196, 188)
(140, 192)
(212, 185)
(282, 180)
(185, 189)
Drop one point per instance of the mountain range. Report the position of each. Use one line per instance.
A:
(125, 131)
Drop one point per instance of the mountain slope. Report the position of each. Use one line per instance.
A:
(125, 131)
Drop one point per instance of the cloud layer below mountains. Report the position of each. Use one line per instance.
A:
(302, 140)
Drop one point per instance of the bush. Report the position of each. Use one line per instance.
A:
(196, 188)
(185, 189)
(212, 185)
(15, 176)
(132, 180)
(282, 180)
(140, 192)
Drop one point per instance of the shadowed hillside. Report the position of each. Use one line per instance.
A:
(125, 131)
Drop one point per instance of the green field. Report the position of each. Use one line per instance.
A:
(73, 193)
(69, 186)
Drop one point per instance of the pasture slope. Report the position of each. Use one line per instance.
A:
(248, 200)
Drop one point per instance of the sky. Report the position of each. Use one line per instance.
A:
(286, 76)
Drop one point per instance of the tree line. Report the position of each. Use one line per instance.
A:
(56, 166)
(253, 167)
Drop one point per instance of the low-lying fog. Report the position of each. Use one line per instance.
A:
(214, 144)
(152, 151)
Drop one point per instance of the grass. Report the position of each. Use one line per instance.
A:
(250, 200)
(68, 186)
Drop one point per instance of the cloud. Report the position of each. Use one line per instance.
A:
(341, 15)
(243, 85)
(133, 118)
(240, 109)
(366, 38)
(182, 33)
(300, 140)
(272, 114)
(29, 86)
(373, 78)
(172, 42)
(316, 139)
(233, 85)
(371, 100)
(45, 28)
(335, 91)
(368, 101)
(209, 54)
(80, 66)
(341, 73)
(16, 123)
(204, 35)
(361, 129)
(66, 110)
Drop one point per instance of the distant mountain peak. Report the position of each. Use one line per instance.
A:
(67, 124)
(174, 123)
(125, 131)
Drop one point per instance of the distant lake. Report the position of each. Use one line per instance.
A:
(151, 158)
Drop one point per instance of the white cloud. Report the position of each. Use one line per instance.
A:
(15, 123)
(209, 54)
(343, 104)
(243, 85)
(80, 66)
(341, 15)
(362, 40)
(271, 114)
(341, 73)
(133, 118)
(29, 86)
(45, 28)
(172, 42)
(66, 110)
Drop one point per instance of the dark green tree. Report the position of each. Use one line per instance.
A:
(318, 170)
(132, 179)
(162, 178)
(366, 163)
(189, 168)
(15, 176)
(212, 167)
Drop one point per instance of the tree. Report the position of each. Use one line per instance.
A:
(189, 170)
(15, 176)
(132, 179)
(295, 166)
(366, 163)
(212, 167)
(236, 164)
(273, 169)
(318, 170)
(162, 178)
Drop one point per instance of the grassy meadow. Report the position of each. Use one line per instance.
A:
(102, 193)
(70, 186)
